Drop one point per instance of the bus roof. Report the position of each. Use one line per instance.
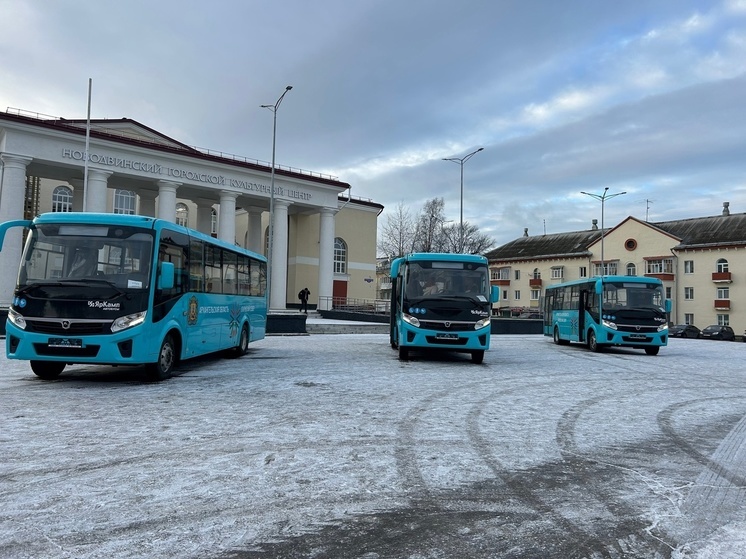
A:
(436, 256)
(595, 279)
(126, 220)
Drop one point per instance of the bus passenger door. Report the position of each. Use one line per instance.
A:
(583, 302)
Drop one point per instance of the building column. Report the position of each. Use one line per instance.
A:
(147, 203)
(227, 217)
(254, 230)
(326, 258)
(77, 185)
(204, 215)
(95, 194)
(167, 200)
(12, 195)
(279, 255)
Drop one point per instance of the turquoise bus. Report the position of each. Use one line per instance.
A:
(130, 290)
(606, 311)
(441, 301)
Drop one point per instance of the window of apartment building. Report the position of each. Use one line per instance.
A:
(536, 273)
(688, 293)
(504, 274)
(505, 295)
(668, 293)
(517, 275)
(494, 274)
(517, 295)
(631, 269)
(724, 320)
(610, 269)
(582, 272)
(660, 266)
(182, 214)
(688, 266)
(723, 293)
(535, 294)
(722, 265)
(689, 318)
(62, 199)
(124, 202)
(340, 256)
(558, 272)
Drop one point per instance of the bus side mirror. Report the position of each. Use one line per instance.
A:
(166, 279)
(494, 293)
(668, 305)
(26, 223)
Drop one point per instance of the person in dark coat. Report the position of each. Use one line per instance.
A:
(303, 296)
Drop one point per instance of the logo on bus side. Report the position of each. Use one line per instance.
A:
(192, 311)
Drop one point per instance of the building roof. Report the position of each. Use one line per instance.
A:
(700, 232)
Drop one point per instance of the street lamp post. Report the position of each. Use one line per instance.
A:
(461, 162)
(270, 240)
(603, 197)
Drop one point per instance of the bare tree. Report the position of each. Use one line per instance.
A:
(474, 241)
(398, 233)
(429, 233)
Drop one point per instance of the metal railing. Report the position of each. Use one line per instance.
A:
(362, 306)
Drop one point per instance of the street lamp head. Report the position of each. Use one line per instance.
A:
(288, 88)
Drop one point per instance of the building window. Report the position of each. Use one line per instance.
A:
(610, 269)
(503, 274)
(688, 293)
(723, 293)
(535, 294)
(182, 214)
(124, 202)
(537, 273)
(724, 320)
(631, 269)
(722, 266)
(558, 272)
(62, 199)
(582, 272)
(266, 242)
(660, 266)
(517, 295)
(668, 293)
(494, 274)
(517, 275)
(688, 266)
(340, 256)
(214, 223)
(689, 318)
(505, 294)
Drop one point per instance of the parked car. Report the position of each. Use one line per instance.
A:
(717, 332)
(531, 315)
(684, 331)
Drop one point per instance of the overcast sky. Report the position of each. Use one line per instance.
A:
(564, 96)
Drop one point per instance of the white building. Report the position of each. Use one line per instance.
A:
(323, 238)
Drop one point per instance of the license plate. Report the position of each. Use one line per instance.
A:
(446, 336)
(66, 342)
(638, 336)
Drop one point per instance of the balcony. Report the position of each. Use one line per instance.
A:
(501, 282)
(534, 282)
(721, 277)
(722, 304)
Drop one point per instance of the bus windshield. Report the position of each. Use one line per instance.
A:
(440, 279)
(620, 295)
(68, 253)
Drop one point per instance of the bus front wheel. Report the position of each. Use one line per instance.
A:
(593, 344)
(477, 356)
(164, 366)
(403, 353)
(48, 370)
(652, 350)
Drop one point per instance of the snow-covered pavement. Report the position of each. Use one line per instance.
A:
(329, 446)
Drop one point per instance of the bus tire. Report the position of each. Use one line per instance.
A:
(556, 337)
(477, 356)
(48, 370)
(403, 353)
(242, 348)
(593, 344)
(652, 350)
(163, 368)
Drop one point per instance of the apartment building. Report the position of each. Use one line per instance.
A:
(701, 261)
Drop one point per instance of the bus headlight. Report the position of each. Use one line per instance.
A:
(483, 323)
(124, 322)
(16, 319)
(409, 319)
(663, 327)
(609, 324)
